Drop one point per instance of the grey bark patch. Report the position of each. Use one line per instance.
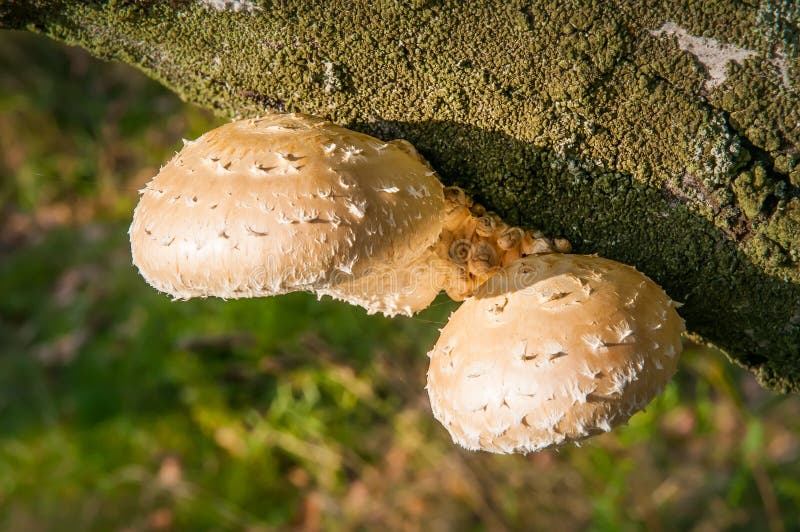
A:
(713, 55)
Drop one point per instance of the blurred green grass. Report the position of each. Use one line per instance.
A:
(123, 410)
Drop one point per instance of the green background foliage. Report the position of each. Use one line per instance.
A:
(121, 409)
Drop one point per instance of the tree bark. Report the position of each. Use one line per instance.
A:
(665, 136)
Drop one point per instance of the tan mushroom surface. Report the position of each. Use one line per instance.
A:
(290, 202)
(552, 349)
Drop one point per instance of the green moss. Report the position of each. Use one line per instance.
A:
(750, 191)
(572, 118)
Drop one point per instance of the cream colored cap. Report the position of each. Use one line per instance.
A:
(552, 349)
(288, 202)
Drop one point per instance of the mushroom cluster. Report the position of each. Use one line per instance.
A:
(547, 348)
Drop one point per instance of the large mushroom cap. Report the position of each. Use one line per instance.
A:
(291, 202)
(553, 349)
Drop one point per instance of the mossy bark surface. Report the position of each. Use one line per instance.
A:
(664, 135)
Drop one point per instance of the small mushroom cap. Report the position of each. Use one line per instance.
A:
(552, 349)
(283, 203)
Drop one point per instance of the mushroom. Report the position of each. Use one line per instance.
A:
(553, 349)
(548, 348)
(291, 202)
(283, 203)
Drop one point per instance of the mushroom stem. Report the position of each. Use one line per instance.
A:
(475, 244)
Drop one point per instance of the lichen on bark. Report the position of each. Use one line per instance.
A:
(581, 118)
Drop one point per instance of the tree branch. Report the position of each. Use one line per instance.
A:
(658, 136)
